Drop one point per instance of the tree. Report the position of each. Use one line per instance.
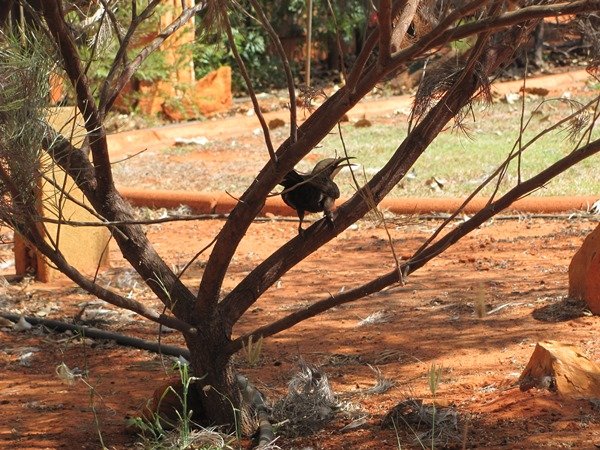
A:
(404, 32)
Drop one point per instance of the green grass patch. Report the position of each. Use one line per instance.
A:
(461, 160)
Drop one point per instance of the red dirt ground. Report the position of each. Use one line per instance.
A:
(519, 265)
(432, 320)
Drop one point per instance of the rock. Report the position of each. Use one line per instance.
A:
(539, 91)
(22, 325)
(362, 123)
(209, 95)
(584, 272)
(561, 368)
(200, 140)
(276, 123)
(213, 92)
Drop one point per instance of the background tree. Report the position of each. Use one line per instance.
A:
(403, 32)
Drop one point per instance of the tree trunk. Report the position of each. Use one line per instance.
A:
(220, 397)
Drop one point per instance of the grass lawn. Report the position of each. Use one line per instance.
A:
(462, 160)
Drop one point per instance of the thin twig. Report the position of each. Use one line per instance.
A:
(196, 256)
(121, 55)
(338, 40)
(130, 68)
(249, 86)
(286, 68)
(371, 202)
(361, 62)
(115, 24)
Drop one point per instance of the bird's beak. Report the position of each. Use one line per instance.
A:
(341, 163)
(344, 162)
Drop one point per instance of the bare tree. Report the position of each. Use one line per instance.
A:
(405, 31)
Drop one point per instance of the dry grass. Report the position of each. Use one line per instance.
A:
(309, 404)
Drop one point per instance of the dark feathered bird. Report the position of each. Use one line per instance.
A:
(315, 191)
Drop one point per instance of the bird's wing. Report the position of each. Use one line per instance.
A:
(327, 187)
(291, 178)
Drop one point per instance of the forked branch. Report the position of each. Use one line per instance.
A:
(32, 234)
(263, 276)
(424, 256)
(315, 129)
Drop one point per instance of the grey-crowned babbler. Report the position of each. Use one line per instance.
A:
(315, 191)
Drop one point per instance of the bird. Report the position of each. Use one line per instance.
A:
(315, 191)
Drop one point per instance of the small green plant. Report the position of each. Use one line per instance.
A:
(435, 375)
(185, 419)
(431, 426)
(69, 377)
(253, 351)
(237, 412)
(185, 433)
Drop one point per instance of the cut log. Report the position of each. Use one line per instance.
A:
(562, 368)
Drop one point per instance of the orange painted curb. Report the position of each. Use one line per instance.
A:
(221, 203)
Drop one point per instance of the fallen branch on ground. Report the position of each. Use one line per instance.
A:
(96, 333)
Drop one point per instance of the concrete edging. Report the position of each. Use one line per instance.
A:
(130, 142)
(222, 203)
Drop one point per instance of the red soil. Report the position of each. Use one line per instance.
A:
(521, 265)
(516, 269)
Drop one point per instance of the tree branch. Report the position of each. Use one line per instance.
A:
(264, 275)
(130, 68)
(248, 82)
(439, 37)
(310, 134)
(55, 256)
(361, 61)
(286, 67)
(96, 333)
(70, 159)
(424, 43)
(130, 237)
(121, 56)
(422, 257)
(53, 13)
(384, 16)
